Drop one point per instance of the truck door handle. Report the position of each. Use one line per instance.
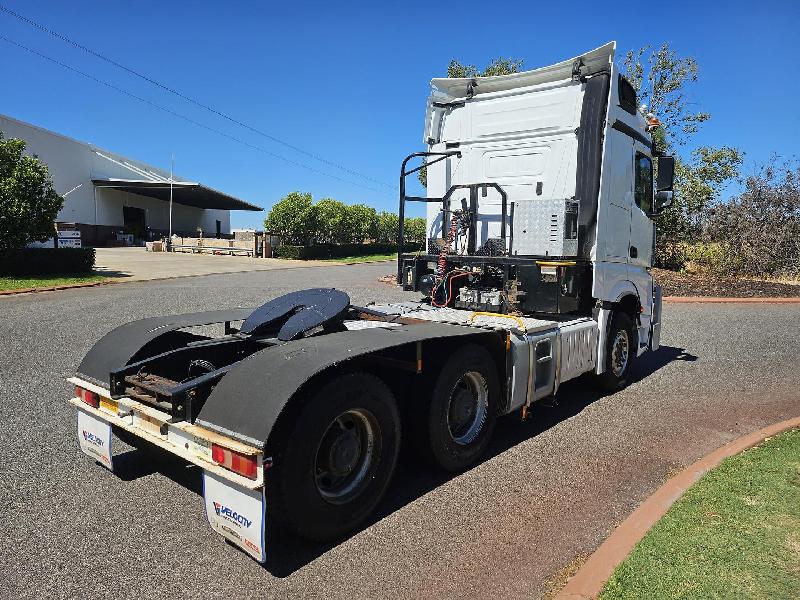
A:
(634, 252)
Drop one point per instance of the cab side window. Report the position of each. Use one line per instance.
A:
(643, 192)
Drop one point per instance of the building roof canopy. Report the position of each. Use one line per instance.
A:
(183, 192)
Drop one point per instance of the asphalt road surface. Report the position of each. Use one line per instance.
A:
(550, 490)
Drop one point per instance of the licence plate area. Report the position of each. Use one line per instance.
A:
(191, 443)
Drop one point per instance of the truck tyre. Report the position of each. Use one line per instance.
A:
(336, 459)
(461, 414)
(620, 353)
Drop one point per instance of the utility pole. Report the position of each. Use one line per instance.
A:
(171, 167)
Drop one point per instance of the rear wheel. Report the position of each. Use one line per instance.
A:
(337, 459)
(620, 353)
(461, 415)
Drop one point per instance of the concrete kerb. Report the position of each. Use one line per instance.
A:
(588, 582)
(56, 287)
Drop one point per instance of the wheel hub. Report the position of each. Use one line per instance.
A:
(346, 456)
(469, 402)
(462, 409)
(619, 353)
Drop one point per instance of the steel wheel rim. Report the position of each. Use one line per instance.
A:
(467, 407)
(347, 455)
(620, 351)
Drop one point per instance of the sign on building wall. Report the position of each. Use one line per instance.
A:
(69, 239)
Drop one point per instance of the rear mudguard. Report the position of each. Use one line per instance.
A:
(247, 402)
(120, 345)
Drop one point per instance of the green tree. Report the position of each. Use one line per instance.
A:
(699, 182)
(360, 223)
(663, 80)
(416, 229)
(498, 66)
(293, 218)
(28, 203)
(387, 224)
(331, 221)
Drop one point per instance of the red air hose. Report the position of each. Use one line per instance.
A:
(449, 294)
(445, 249)
(442, 265)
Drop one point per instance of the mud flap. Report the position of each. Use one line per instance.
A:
(655, 320)
(236, 513)
(94, 438)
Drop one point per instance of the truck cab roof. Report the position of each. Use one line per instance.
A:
(591, 62)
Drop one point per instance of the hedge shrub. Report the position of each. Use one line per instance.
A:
(759, 230)
(338, 250)
(300, 221)
(46, 261)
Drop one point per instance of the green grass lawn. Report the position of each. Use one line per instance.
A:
(367, 258)
(734, 534)
(17, 283)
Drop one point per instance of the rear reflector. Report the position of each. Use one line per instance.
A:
(246, 466)
(88, 397)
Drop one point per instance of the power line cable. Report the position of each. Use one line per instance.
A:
(189, 99)
(184, 117)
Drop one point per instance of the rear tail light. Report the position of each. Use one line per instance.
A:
(87, 397)
(244, 465)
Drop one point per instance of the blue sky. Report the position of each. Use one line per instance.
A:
(347, 81)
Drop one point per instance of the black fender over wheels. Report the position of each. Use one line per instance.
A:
(457, 425)
(621, 349)
(336, 459)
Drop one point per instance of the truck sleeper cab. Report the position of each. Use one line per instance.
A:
(540, 195)
(296, 411)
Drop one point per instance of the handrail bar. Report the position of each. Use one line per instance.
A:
(402, 209)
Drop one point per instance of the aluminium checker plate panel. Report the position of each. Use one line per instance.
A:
(541, 227)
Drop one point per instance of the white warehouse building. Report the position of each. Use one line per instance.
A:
(113, 195)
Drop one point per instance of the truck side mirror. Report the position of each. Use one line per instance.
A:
(664, 184)
(666, 174)
(663, 200)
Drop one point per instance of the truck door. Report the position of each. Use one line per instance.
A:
(614, 218)
(641, 245)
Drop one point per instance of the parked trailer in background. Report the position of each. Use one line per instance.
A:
(540, 200)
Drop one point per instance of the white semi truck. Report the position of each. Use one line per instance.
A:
(540, 197)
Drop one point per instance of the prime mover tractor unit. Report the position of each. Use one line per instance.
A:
(540, 196)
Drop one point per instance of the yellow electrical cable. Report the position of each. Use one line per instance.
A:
(566, 263)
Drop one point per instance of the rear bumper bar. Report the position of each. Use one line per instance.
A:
(189, 442)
